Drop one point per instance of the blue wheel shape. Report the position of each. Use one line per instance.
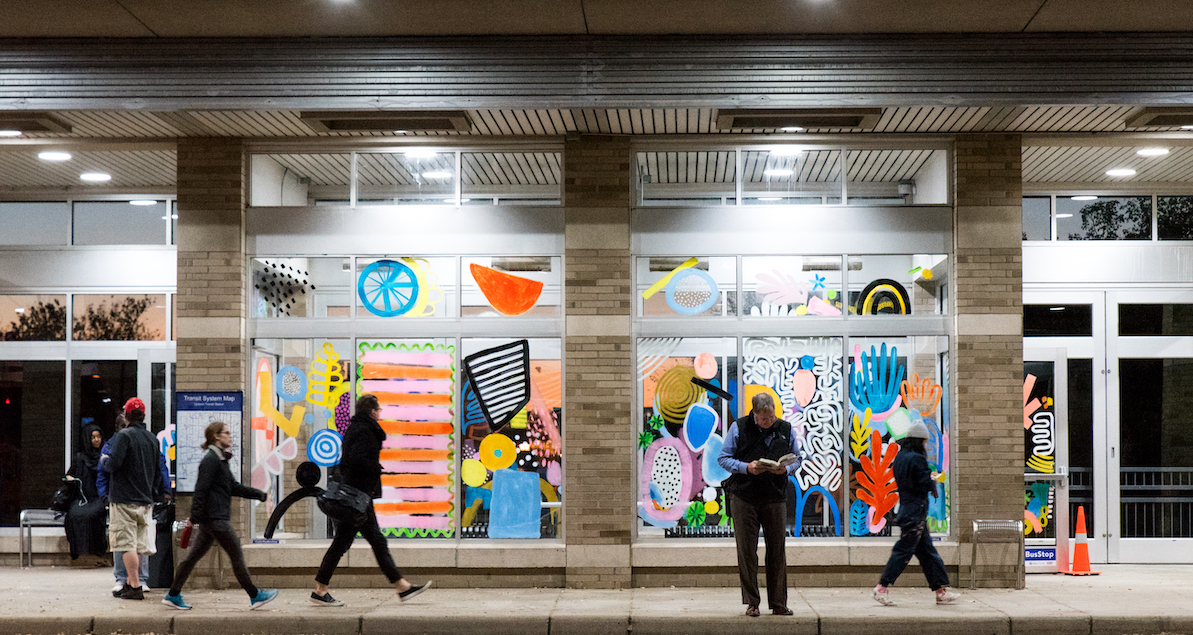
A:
(387, 288)
(713, 292)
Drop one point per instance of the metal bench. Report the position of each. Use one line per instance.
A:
(997, 531)
(31, 518)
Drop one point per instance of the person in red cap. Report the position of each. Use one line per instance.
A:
(135, 483)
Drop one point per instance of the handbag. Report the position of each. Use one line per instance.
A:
(66, 494)
(344, 503)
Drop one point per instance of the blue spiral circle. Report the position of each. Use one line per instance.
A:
(324, 448)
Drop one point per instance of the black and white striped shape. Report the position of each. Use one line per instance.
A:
(501, 378)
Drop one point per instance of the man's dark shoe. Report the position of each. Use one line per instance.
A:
(752, 611)
(131, 593)
(783, 611)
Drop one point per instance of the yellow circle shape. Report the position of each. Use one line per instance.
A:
(497, 452)
(473, 472)
(712, 507)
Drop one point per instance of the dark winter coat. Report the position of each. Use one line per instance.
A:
(360, 464)
(914, 480)
(133, 466)
(215, 487)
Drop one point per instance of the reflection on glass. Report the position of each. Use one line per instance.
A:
(33, 318)
(301, 287)
(681, 286)
(681, 493)
(120, 223)
(1155, 319)
(529, 178)
(894, 381)
(510, 286)
(31, 435)
(790, 175)
(1037, 218)
(1156, 465)
(100, 389)
(288, 180)
(699, 178)
(1174, 217)
(1043, 320)
(414, 177)
(1107, 218)
(910, 284)
(780, 286)
(511, 461)
(1081, 442)
(119, 317)
(35, 223)
(898, 177)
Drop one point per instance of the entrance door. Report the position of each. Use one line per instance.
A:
(1150, 425)
(1045, 473)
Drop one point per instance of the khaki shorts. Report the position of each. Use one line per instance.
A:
(131, 528)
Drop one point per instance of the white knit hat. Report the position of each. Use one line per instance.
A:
(917, 430)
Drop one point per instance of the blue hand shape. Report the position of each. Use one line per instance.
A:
(876, 384)
(817, 282)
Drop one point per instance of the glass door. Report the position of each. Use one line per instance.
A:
(1074, 322)
(1150, 432)
(1045, 462)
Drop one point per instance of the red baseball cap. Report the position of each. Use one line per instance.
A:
(134, 404)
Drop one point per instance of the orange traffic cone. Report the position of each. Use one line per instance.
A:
(1080, 549)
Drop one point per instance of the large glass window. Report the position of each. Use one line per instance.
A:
(1037, 218)
(898, 177)
(1174, 217)
(791, 175)
(298, 180)
(121, 223)
(510, 178)
(683, 286)
(1104, 218)
(302, 287)
(787, 286)
(100, 388)
(31, 435)
(33, 318)
(687, 178)
(35, 223)
(407, 287)
(906, 284)
(511, 286)
(119, 317)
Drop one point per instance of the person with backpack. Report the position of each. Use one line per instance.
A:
(211, 512)
(915, 482)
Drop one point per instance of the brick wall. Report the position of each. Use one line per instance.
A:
(988, 374)
(599, 375)
(211, 283)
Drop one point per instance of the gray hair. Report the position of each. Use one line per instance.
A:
(763, 401)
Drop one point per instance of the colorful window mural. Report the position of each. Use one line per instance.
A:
(301, 287)
(405, 287)
(683, 286)
(510, 286)
(790, 286)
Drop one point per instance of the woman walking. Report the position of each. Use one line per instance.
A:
(915, 482)
(211, 511)
(360, 467)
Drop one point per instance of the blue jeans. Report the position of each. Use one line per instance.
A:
(122, 573)
(915, 540)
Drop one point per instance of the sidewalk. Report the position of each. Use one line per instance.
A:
(1124, 599)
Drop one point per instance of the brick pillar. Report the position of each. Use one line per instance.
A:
(211, 288)
(988, 270)
(599, 382)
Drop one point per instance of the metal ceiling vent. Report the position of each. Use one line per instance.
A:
(1161, 117)
(387, 120)
(747, 118)
(28, 121)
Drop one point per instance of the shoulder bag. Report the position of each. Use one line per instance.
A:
(344, 503)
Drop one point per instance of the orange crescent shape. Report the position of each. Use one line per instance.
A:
(510, 295)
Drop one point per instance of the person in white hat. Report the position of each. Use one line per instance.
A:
(916, 482)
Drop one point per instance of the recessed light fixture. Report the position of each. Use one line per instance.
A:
(785, 151)
(95, 177)
(420, 154)
(791, 129)
(437, 175)
(1056, 308)
(453, 201)
(1186, 127)
(770, 198)
(1152, 152)
(143, 202)
(54, 155)
(1083, 197)
(778, 172)
(10, 133)
(1064, 216)
(399, 132)
(20, 309)
(1120, 172)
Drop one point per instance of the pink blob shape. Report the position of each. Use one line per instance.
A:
(804, 384)
(706, 366)
(554, 473)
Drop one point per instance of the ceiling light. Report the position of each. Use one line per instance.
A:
(785, 151)
(145, 202)
(171, 216)
(1120, 172)
(54, 155)
(770, 198)
(777, 172)
(10, 133)
(791, 129)
(1186, 127)
(1083, 197)
(437, 175)
(1056, 308)
(420, 154)
(1152, 152)
(95, 177)
(1064, 216)
(453, 201)
(20, 309)
(399, 132)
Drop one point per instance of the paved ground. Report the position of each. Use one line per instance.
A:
(1124, 599)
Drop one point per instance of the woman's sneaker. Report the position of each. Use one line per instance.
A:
(263, 597)
(945, 596)
(324, 600)
(176, 602)
(882, 596)
(414, 590)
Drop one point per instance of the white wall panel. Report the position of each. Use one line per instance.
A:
(89, 267)
(1105, 262)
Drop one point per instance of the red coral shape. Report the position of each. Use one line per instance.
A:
(876, 482)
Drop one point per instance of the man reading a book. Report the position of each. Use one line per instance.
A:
(760, 452)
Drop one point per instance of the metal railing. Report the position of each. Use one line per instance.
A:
(1156, 502)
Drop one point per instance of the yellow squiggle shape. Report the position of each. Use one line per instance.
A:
(290, 426)
(324, 377)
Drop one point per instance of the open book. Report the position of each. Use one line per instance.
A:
(784, 461)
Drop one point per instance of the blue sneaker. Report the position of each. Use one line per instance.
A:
(264, 596)
(175, 602)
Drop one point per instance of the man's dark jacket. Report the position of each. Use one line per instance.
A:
(133, 464)
(215, 487)
(360, 466)
(755, 443)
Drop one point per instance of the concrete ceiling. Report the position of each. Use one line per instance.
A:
(238, 18)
